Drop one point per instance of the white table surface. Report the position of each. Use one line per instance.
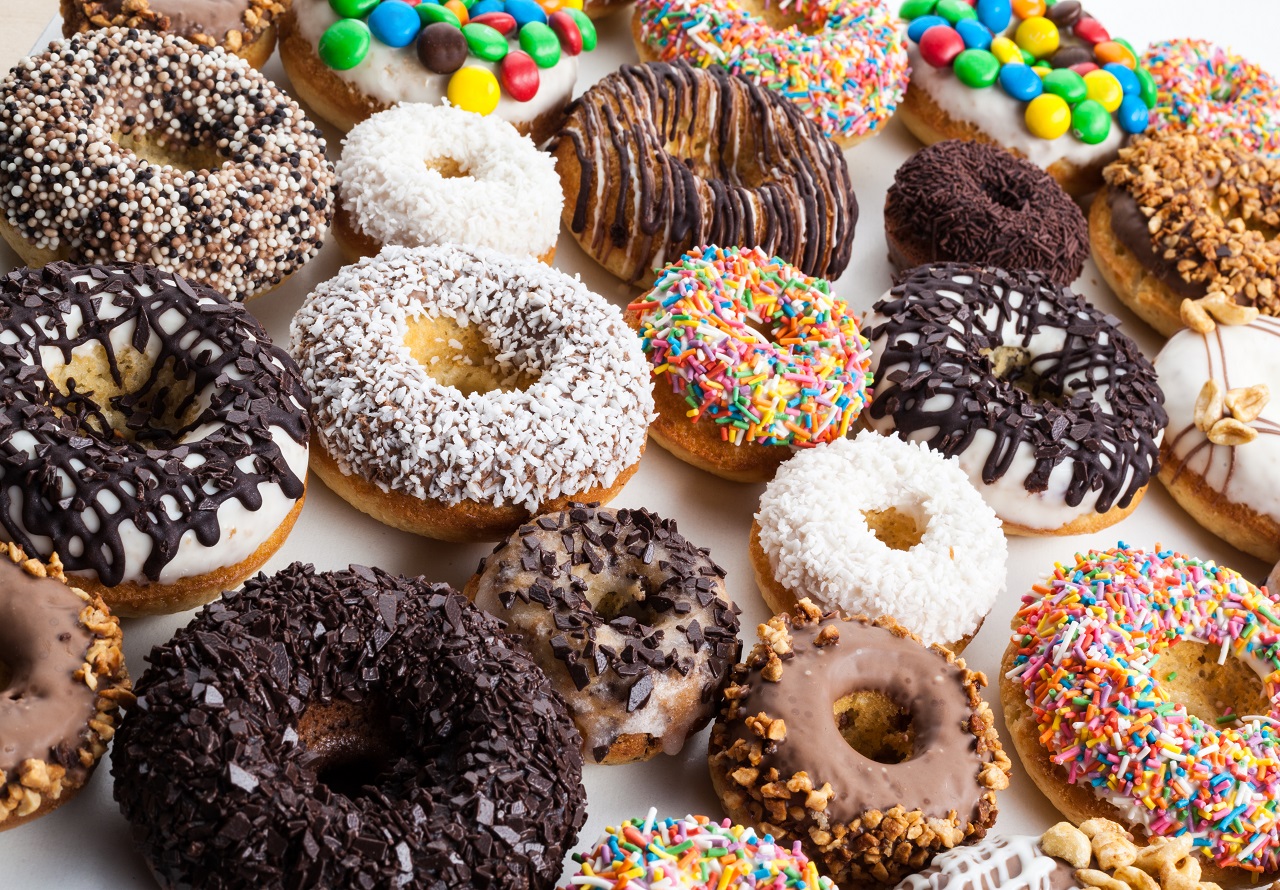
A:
(86, 845)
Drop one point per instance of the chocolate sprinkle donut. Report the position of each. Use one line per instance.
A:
(348, 729)
(965, 201)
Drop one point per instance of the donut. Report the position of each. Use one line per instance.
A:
(878, 526)
(1183, 218)
(972, 202)
(842, 63)
(658, 159)
(519, 62)
(61, 686)
(456, 391)
(631, 622)
(223, 181)
(150, 433)
(1052, 410)
(1123, 703)
(908, 767)
(758, 359)
(641, 852)
(1209, 90)
(421, 174)
(348, 729)
(1058, 70)
(1219, 457)
(246, 28)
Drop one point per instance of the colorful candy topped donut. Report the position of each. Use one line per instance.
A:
(842, 61)
(1066, 91)
(1095, 705)
(349, 59)
(1210, 90)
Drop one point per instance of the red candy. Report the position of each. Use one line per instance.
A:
(940, 45)
(567, 30)
(500, 21)
(1090, 30)
(1084, 68)
(518, 75)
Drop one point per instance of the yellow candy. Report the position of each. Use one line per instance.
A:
(1048, 116)
(1006, 51)
(1104, 88)
(1038, 36)
(573, 4)
(474, 89)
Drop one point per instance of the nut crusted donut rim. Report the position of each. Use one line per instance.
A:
(251, 35)
(69, 191)
(382, 417)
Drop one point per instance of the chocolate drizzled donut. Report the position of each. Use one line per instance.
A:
(459, 764)
(659, 158)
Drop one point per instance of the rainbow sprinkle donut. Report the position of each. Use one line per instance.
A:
(1209, 89)
(843, 62)
(693, 852)
(1085, 686)
(755, 352)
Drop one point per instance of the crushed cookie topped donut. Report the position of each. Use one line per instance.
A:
(243, 27)
(127, 146)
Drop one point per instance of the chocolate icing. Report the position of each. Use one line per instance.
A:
(968, 201)
(997, 863)
(713, 147)
(1129, 226)
(188, 17)
(938, 335)
(59, 450)
(224, 767)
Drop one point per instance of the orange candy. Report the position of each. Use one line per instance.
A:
(1109, 51)
(458, 8)
(1025, 9)
(550, 6)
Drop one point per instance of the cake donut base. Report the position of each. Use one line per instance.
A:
(1146, 295)
(356, 244)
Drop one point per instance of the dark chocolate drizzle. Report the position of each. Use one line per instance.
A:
(77, 457)
(937, 344)
(761, 146)
(965, 201)
(1129, 226)
(479, 787)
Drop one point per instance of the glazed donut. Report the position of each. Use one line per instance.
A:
(63, 680)
(631, 622)
(150, 433)
(348, 729)
(1223, 445)
(758, 357)
(520, 65)
(1215, 93)
(878, 526)
(972, 202)
(1087, 83)
(658, 159)
(1183, 218)
(843, 63)
(246, 28)
(1053, 412)
(422, 174)
(1117, 666)
(456, 391)
(635, 854)
(222, 180)
(913, 731)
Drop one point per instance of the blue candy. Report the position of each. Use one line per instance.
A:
(1128, 80)
(394, 23)
(1133, 114)
(483, 6)
(974, 34)
(922, 24)
(995, 14)
(524, 12)
(1020, 82)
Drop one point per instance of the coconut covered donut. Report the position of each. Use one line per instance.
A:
(457, 391)
(878, 526)
(130, 146)
(422, 174)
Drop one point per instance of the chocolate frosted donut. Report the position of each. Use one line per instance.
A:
(348, 729)
(659, 158)
(631, 622)
(973, 202)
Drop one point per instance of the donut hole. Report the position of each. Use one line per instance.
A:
(876, 726)
(781, 16)
(349, 746)
(449, 168)
(1012, 364)
(999, 193)
(616, 601)
(458, 356)
(146, 146)
(898, 529)
(1190, 674)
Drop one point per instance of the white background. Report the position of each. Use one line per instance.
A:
(87, 844)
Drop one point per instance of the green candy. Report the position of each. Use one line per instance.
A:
(344, 44)
(586, 28)
(955, 10)
(434, 12)
(976, 68)
(485, 42)
(1027, 58)
(1066, 83)
(353, 9)
(913, 9)
(540, 42)
(1090, 122)
(1146, 87)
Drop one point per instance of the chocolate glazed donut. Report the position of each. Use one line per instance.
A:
(659, 158)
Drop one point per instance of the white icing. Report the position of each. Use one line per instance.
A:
(989, 865)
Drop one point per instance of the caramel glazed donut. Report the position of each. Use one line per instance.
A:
(150, 433)
(660, 158)
(128, 146)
